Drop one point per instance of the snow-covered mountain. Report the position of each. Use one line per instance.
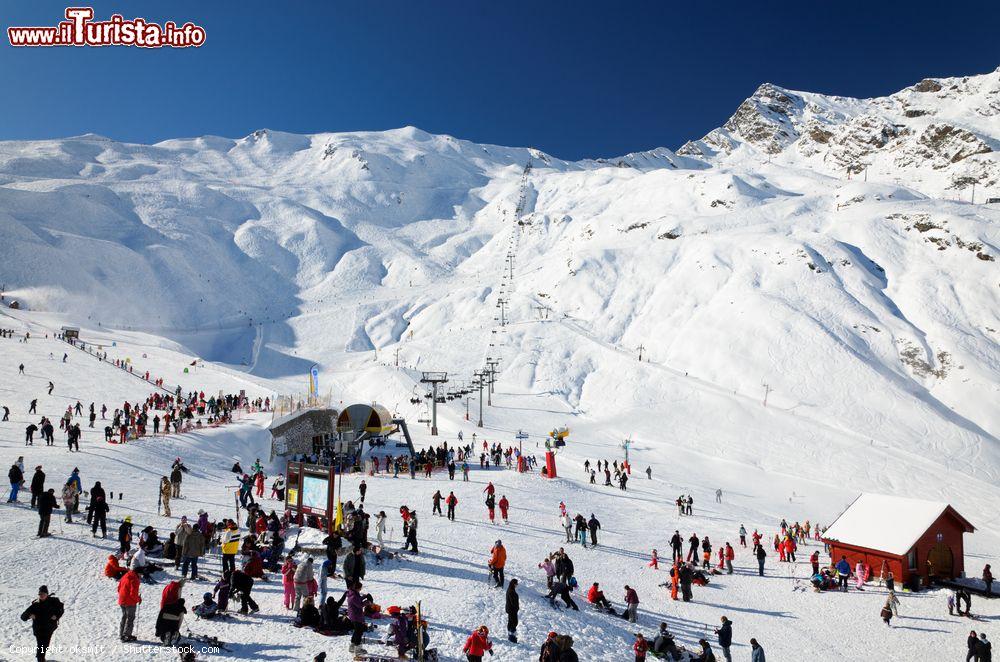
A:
(938, 136)
(758, 255)
(812, 294)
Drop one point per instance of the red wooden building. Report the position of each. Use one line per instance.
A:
(915, 538)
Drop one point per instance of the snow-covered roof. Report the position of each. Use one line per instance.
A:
(281, 420)
(887, 523)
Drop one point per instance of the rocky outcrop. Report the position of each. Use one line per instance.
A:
(943, 144)
(765, 119)
(935, 126)
(854, 142)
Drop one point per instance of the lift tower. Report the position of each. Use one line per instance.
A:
(434, 378)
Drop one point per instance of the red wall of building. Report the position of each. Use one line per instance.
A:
(950, 531)
(894, 564)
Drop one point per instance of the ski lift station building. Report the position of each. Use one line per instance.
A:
(915, 539)
(303, 432)
(348, 434)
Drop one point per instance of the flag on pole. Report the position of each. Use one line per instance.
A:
(314, 381)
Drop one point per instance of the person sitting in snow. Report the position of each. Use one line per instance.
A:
(113, 569)
(595, 596)
(207, 608)
(308, 616)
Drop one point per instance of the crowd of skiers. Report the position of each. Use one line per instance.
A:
(133, 421)
(621, 472)
(259, 541)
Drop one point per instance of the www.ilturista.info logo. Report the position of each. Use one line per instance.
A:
(79, 29)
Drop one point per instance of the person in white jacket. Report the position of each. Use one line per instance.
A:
(138, 560)
(567, 524)
(278, 488)
(380, 527)
(303, 577)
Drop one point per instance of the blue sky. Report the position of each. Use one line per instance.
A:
(575, 79)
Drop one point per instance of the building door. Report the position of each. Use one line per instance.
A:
(940, 561)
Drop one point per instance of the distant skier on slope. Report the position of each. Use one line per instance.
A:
(498, 559)
(490, 505)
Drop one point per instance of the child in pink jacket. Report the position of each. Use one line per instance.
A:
(288, 581)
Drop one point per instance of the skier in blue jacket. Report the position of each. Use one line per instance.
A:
(843, 572)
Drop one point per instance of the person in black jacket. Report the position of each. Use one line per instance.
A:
(725, 633)
(550, 649)
(354, 566)
(44, 614)
(99, 513)
(243, 584)
(359, 530)
(693, 552)
(676, 544)
(985, 648)
(593, 524)
(37, 485)
(168, 622)
(125, 535)
(333, 544)
(561, 589)
(46, 503)
(16, 478)
(333, 620)
(686, 576)
(564, 567)
(513, 605)
(566, 652)
(706, 651)
(664, 645)
(308, 616)
(29, 434)
(95, 491)
(973, 644)
(411, 534)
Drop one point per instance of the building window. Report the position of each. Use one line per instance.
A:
(911, 558)
(319, 443)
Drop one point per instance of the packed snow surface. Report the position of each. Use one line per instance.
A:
(812, 290)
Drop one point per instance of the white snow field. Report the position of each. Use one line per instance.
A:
(762, 260)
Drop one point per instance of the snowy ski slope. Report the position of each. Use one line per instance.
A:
(751, 262)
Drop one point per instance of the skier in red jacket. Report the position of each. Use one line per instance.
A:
(504, 505)
(478, 644)
(128, 600)
(641, 647)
